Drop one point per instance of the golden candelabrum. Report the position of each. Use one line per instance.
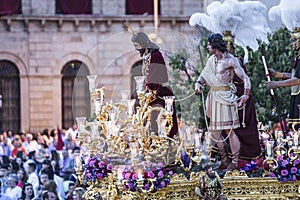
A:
(122, 132)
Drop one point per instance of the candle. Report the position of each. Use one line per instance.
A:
(188, 134)
(140, 175)
(267, 72)
(119, 174)
(269, 148)
(296, 139)
(197, 141)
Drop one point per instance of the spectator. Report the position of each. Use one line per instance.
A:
(17, 143)
(3, 196)
(13, 191)
(30, 145)
(30, 167)
(3, 175)
(22, 178)
(66, 168)
(47, 195)
(27, 192)
(58, 180)
(71, 189)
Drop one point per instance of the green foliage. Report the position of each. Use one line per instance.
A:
(279, 56)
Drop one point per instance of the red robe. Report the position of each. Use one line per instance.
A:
(156, 78)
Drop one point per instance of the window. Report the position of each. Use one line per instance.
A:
(9, 96)
(9, 7)
(73, 6)
(75, 92)
(138, 7)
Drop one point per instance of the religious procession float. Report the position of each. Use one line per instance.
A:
(126, 160)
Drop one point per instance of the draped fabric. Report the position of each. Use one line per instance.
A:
(75, 6)
(138, 7)
(221, 105)
(8, 7)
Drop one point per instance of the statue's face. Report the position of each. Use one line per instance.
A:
(210, 49)
(137, 46)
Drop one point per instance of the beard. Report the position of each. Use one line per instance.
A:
(141, 51)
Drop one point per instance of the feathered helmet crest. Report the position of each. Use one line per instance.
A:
(289, 12)
(241, 22)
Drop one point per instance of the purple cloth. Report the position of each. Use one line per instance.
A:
(8, 7)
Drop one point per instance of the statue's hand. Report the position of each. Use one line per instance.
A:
(198, 88)
(243, 100)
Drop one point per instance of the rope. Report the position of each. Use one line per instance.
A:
(183, 99)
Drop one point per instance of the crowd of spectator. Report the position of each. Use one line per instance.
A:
(39, 165)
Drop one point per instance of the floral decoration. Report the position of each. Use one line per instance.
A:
(287, 170)
(97, 168)
(152, 177)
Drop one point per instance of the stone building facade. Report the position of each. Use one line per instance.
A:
(40, 43)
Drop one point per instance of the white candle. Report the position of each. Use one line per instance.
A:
(188, 134)
(267, 72)
(197, 141)
(296, 139)
(269, 148)
(119, 174)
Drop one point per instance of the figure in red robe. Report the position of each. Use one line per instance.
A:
(155, 70)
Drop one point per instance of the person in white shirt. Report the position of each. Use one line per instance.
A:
(30, 167)
(13, 191)
(30, 145)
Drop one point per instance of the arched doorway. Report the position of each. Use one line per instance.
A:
(9, 96)
(75, 92)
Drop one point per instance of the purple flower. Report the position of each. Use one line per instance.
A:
(109, 166)
(160, 164)
(147, 186)
(101, 164)
(280, 158)
(92, 162)
(162, 184)
(127, 175)
(284, 179)
(294, 170)
(284, 172)
(272, 175)
(99, 176)
(89, 175)
(284, 163)
(130, 185)
(134, 176)
(296, 162)
(150, 174)
(160, 174)
(171, 173)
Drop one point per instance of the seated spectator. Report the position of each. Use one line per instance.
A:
(22, 178)
(30, 167)
(3, 196)
(4, 171)
(58, 180)
(17, 143)
(13, 191)
(47, 195)
(30, 145)
(27, 192)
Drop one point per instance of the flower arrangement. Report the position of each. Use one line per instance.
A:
(252, 168)
(152, 178)
(287, 170)
(96, 168)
